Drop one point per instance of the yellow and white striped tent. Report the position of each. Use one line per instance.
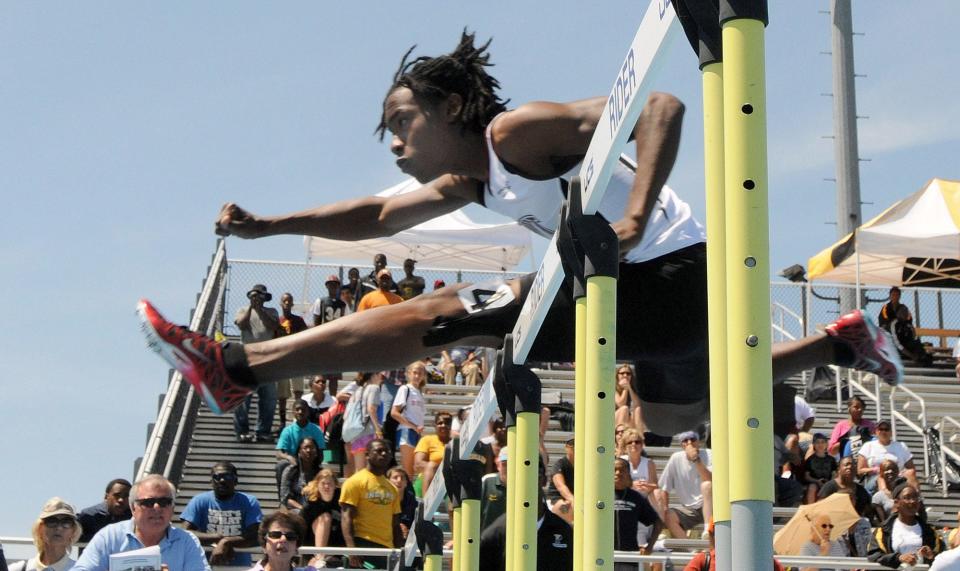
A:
(915, 242)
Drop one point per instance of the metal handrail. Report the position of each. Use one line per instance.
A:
(177, 393)
(921, 429)
(944, 451)
(192, 405)
(874, 396)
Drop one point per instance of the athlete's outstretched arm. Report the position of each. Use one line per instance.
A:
(355, 219)
(657, 137)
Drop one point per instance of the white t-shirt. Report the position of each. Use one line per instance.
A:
(876, 453)
(906, 538)
(642, 470)
(947, 561)
(802, 411)
(414, 407)
(680, 477)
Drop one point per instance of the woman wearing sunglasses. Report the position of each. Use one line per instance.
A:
(54, 533)
(820, 543)
(280, 535)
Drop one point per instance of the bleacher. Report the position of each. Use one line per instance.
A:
(213, 440)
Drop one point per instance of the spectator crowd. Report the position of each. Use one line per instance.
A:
(371, 433)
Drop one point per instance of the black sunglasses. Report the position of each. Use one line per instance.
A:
(59, 521)
(290, 535)
(826, 525)
(225, 476)
(151, 502)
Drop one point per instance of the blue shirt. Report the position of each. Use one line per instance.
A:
(228, 517)
(180, 550)
(293, 434)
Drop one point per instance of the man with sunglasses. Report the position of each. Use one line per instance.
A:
(152, 501)
(224, 517)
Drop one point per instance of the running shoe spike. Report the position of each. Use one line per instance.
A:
(872, 347)
(197, 357)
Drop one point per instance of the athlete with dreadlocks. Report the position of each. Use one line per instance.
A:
(451, 131)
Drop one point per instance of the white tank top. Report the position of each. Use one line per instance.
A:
(535, 204)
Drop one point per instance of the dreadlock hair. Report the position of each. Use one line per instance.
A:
(461, 72)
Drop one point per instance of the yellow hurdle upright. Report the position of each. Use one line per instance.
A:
(579, 428)
(748, 293)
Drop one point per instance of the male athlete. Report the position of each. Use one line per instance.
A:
(451, 131)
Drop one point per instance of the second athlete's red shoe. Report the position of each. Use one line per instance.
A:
(197, 357)
(872, 347)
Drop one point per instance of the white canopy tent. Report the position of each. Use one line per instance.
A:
(915, 242)
(453, 241)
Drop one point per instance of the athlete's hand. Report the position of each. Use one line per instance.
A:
(235, 221)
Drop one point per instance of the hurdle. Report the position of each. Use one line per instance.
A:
(738, 261)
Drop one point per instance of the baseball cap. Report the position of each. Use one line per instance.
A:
(57, 506)
(688, 435)
(437, 284)
(332, 278)
(820, 436)
(503, 454)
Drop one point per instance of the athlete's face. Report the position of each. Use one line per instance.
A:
(421, 133)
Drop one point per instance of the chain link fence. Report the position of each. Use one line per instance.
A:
(305, 281)
(795, 305)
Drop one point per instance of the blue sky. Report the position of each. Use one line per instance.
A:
(125, 126)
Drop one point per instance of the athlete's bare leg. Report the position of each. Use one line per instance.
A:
(381, 338)
(793, 357)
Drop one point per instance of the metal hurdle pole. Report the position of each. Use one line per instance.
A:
(579, 420)
(456, 517)
(523, 456)
(506, 403)
(701, 23)
(748, 250)
(467, 474)
(430, 542)
(597, 242)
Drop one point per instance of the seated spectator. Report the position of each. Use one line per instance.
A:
(408, 498)
(643, 472)
(560, 488)
(946, 561)
(281, 534)
(904, 538)
(804, 415)
(290, 438)
(554, 538)
(296, 476)
(318, 399)
(882, 500)
(224, 517)
(410, 286)
(637, 524)
(884, 447)
(321, 512)
(819, 468)
(626, 401)
(410, 410)
(467, 361)
(114, 507)
(54, 533)
(688, 476)
(152, 499)
(896, 319)
(493, 495)
(850, 433)
(787, 465)
(497, 439)
(429, 451)
(845, 483)
(820, 544)
(370, 507)
(617, 437)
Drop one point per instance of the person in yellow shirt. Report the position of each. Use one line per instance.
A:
(429, 451)
(382, 295)
(370, 507)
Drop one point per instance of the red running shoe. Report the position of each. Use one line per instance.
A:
(198, 358)
(872, 347)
